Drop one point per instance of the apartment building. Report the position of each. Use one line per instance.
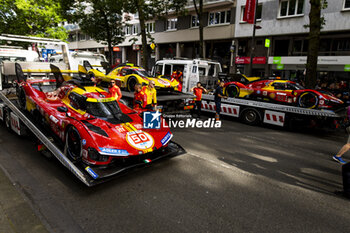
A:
(282, 22)
(176, 36)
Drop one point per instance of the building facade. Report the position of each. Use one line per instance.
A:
(282, 22)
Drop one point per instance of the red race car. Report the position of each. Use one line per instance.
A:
(93, 127)
(282, 91)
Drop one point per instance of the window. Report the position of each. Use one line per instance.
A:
(172, 24)
(220, 17)
(194, 21)
(346, 4)
(167, 70)
(135, 29)
(82, 37)
(291, 8)
(150, 27)
(128, 30)
(258, 13)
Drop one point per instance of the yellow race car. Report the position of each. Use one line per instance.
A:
(127, 75)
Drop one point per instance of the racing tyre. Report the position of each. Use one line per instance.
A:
(73, 146)
(251, 116)
(232, 91)
(131, 84)
(308, 100)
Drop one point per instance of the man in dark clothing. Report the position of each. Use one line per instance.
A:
(218, 94)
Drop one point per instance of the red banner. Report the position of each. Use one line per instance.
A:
(249, 11)
(246, 60)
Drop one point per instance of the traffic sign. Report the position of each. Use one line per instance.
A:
(347, 68)
(152, 46)
(267, 43)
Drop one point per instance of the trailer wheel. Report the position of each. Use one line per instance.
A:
(131, 84)
(232, 91)
(251, 116)
(7, 119)
(308, 100)
(73, 146)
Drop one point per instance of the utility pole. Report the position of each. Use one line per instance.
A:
(252, 49)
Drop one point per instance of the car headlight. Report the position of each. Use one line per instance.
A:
(94, 155)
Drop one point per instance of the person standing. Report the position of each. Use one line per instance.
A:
(140, 98)
(346, 147)
(218, 95)
(198, 91)
(114, 90)
(151, 95)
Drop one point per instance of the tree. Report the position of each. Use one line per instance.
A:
(315, 26)
(199, 13)
(102, 20)
(149, 10)
(32, 18)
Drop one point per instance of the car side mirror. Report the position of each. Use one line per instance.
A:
(62, 109)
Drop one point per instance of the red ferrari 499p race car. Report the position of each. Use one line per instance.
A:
(282, 91)
(93, 127)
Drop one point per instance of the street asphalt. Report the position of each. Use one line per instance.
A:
(238, 178)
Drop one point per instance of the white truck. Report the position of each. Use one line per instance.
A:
(196, 70)
(78, 58)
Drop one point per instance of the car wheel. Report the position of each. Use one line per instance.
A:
(232, 91)
(251, 116)
(131, 84)
(308, 100)
(73, 147)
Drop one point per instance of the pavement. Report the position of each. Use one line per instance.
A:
(16, 215)
(238, 178)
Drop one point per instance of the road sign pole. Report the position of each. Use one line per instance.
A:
(252, 51)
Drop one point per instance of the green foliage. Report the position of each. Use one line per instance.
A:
(101, 19)
(32, 17)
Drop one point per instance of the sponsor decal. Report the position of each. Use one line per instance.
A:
(258, 92)
(152, 120)
(321, 102)
(83, 142)
(272, 95)
(54, 119)
(161, 81)
(111, 151)
(91, 172)
(140, 140)
(166, 138)
(120, 129)
(264, 93)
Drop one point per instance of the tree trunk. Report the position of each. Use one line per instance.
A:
(145, 48)
(314, 43)
(109, 39)
(199, 13)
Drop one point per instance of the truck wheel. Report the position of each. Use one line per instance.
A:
(251, 116)
(73, 146)
(308, 100)
(22, 99)
(232, 91)
(131, 84)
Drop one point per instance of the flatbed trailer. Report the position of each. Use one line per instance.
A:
(255, 112)
(22, 123)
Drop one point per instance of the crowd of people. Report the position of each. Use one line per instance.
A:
(339, 89)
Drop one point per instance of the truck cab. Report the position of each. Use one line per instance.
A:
(196, 70)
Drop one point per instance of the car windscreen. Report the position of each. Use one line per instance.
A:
(103, 109)
(142, 73)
